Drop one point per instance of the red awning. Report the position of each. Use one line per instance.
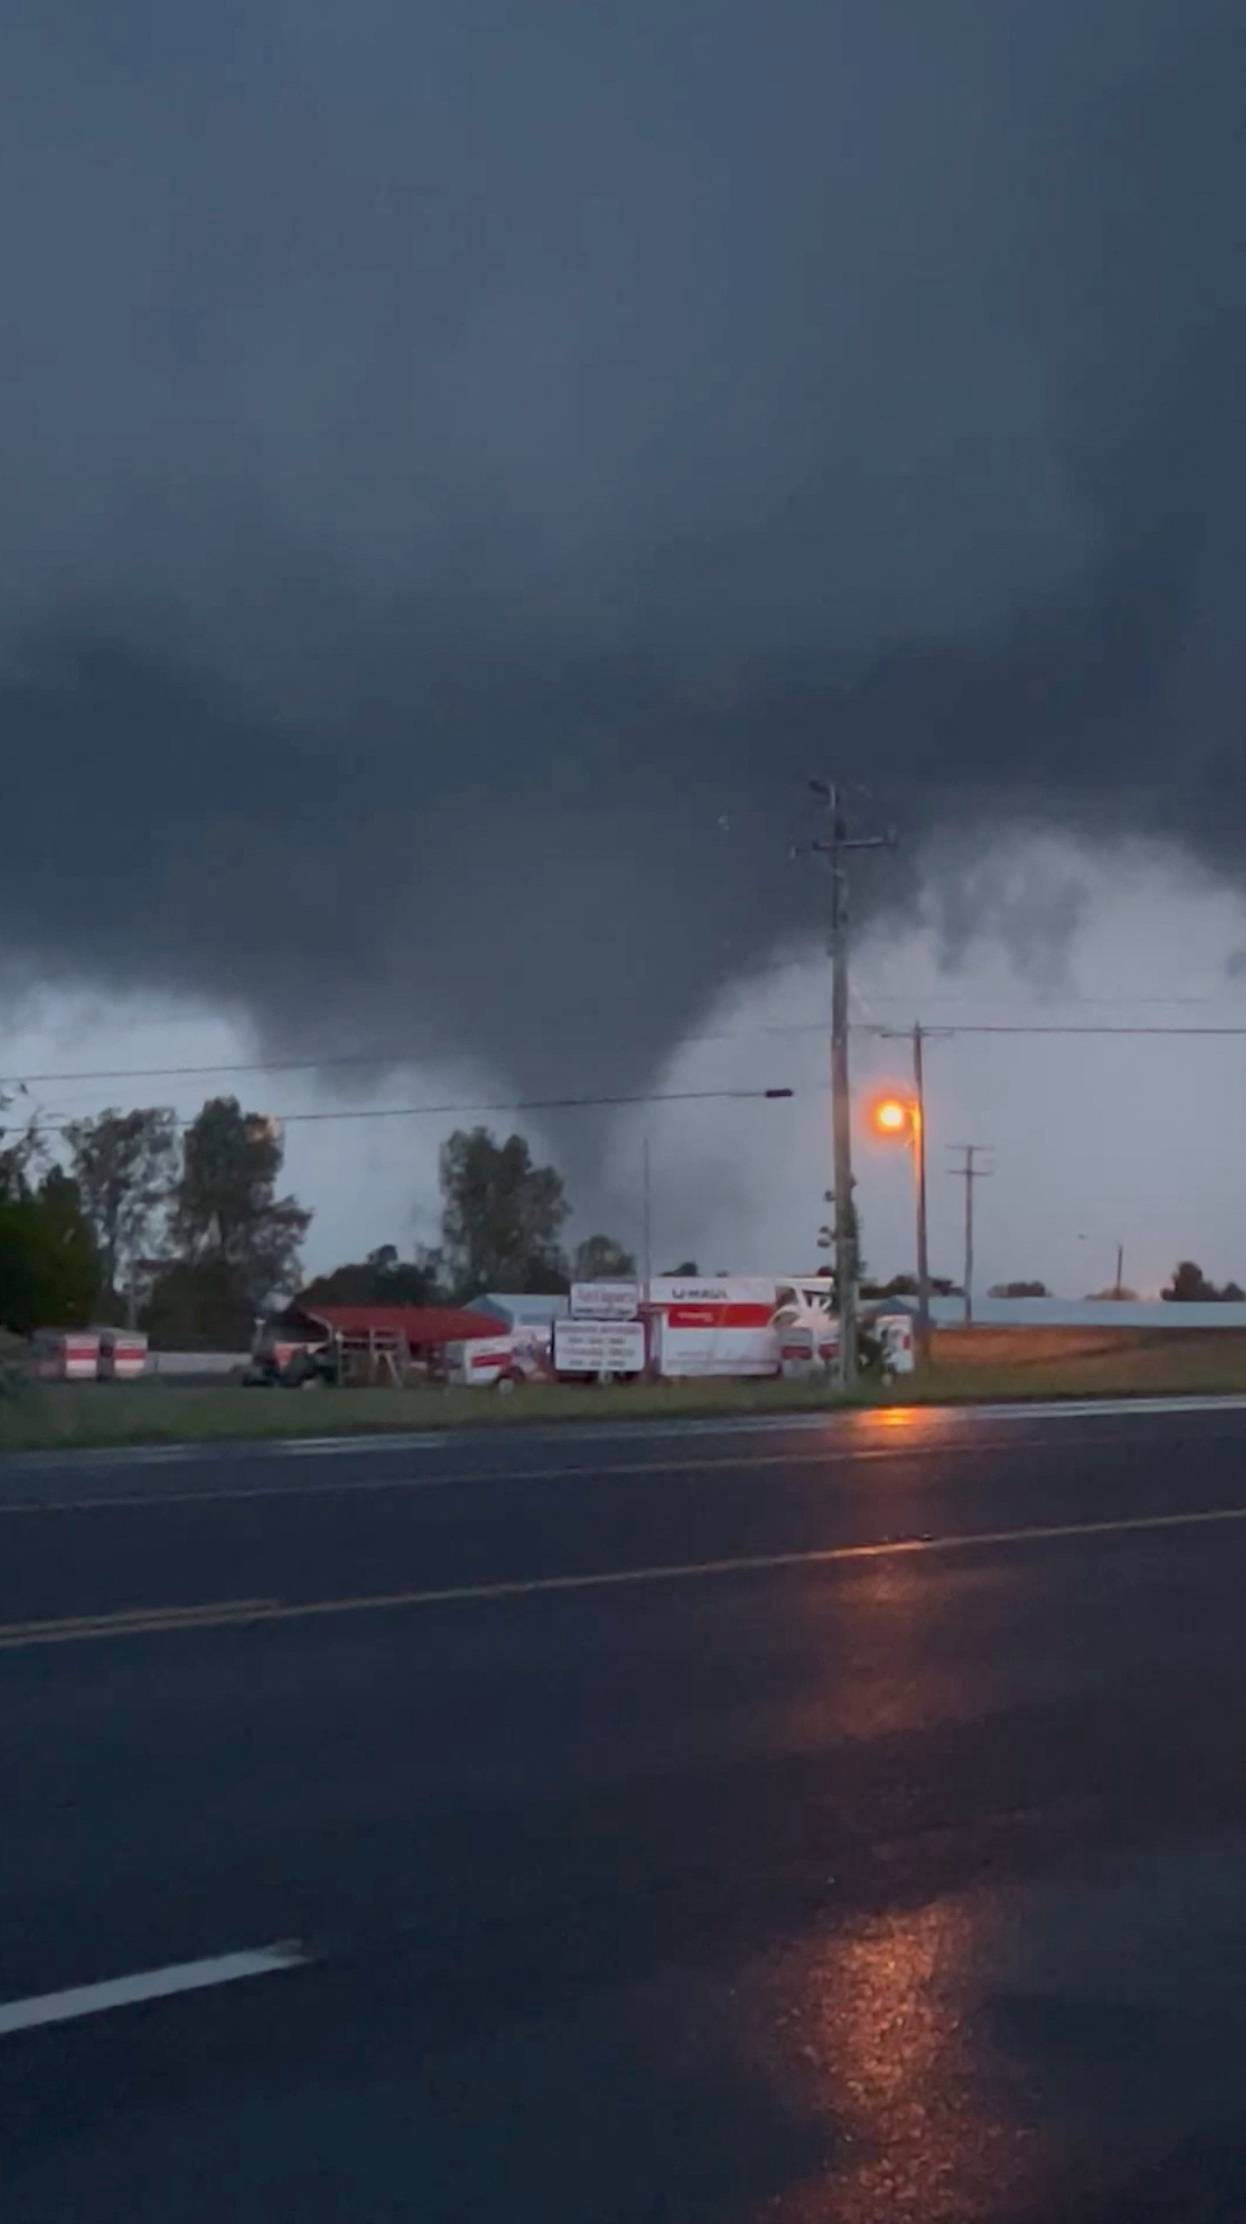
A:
(423, 1326)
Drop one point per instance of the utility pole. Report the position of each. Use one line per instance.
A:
(835, 845)
(969, 1174)
(1120, 1268)
(919, 1170)
(647, 1220)
(919, 1036)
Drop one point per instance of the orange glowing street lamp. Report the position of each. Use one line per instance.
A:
(901, 1119)
(894, 1119)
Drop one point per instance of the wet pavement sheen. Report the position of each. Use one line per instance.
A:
(869, 1891)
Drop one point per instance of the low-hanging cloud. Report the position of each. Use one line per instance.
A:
(464, 467)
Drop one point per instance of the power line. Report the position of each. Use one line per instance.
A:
(54, 1126)
(1096, 1027)
(394, 1056)
(1073, 997)
(242, 1065)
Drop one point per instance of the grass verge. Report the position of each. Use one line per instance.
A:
(988, 1363)
(91, 1414)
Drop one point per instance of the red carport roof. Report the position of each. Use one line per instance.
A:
(420, 1324)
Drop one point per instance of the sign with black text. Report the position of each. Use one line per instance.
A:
(599, 1347)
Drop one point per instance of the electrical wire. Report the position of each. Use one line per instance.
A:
(1086, 1027)
(56, 1124)
(393, 1056)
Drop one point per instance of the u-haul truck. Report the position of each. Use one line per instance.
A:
(740, 1324)
(719, 1325)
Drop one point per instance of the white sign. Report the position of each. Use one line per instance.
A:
(604, 1300)
(587, 1347)
(727, 1289)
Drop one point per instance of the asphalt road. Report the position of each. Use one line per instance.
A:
(840, 1820)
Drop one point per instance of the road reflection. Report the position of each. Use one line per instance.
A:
(884, 2040)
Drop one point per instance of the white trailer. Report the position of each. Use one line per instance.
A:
(482, 1363)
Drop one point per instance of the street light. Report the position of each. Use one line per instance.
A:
(893, 1118)
(899, 1119)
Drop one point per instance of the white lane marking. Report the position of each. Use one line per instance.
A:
(862, 1426)
(113, 1455)
(148, 1984)
(837, 1454)
(414, 1440)
(851, 1420)
(1078, 1409)
(889, 1445)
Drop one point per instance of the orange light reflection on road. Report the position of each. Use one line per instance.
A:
(888, 2040)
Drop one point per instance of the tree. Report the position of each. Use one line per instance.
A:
(21, 1146)
(1019, 1289)
(501, 1216)
(48, 1268)
(225, 1213)
(1116, 1295)
(380, 1279)
(601, 1259)
(905, 1285)
(1190, 1286)
(124, 1164)
(199, 1305)
(687, 1269)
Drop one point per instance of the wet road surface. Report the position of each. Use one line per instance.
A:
(837, 1820)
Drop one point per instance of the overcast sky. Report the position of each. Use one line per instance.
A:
(1137, 1140)
(465, 466)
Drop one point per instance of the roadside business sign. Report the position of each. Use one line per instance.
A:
(604, 1300)
(599, 1347)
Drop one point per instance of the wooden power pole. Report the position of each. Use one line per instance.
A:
(835, 846)
(969, 1173)
(919, 1176)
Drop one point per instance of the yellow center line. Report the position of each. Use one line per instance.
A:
(162, 1620)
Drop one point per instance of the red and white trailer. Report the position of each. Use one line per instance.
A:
(66, 1354)
(483, 1362)
(123, 1354)
(722, 1325)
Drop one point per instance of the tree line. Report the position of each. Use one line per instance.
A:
(1189, 1286)
(182, 1229)
(181, 1232)
(502, 1222)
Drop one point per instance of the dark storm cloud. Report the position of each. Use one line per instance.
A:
(464, 466)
